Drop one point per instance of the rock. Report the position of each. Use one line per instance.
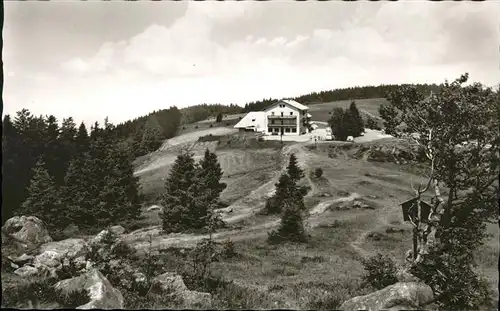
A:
(403, 275)
(27, 271)
(71, 248)
(394, 230)
(154, 208)
(14, 266)
(171, 284)
(399, 296)
(23, 259)
(326, 194)
(28, 229)
(117, 230)
(102, 294)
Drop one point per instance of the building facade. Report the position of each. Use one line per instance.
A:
(287, 117)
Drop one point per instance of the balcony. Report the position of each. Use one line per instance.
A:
(282, 117)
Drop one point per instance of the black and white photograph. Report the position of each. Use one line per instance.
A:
(250, 155)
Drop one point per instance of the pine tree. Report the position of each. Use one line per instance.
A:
(43, 200)
(357, 121)
(52, 149)
(120, 200)
(152, 136)
(82, 140)
(337, 124)
(294, 171)
(291, 226)
(67, 145)
(179, 194)
(211, 173)
(79, 195)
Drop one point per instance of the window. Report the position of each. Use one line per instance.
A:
(272, 121)
(282, 113)
(276, 130)
(253, 120)
(269, 129)
(294, 130)
(291, 113)
(287, 130)
(272, 113)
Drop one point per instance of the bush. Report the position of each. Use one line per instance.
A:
(228, 250)
(211, 125)
(381, 271)
(318, 172)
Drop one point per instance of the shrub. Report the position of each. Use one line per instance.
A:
(318, 172)
(228, 250)
(211, 125)
(381, 271)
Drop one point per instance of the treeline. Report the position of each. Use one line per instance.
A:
(357, 92)
(146, 134)
(64, 174)
(202, 112)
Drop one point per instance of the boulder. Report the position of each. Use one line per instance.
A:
(27, 229)
(27, 271)
(71, 248)
(23, 259)
(115, 230)
(399, 296)
(171, 284)
(52, 255)
(102, 294)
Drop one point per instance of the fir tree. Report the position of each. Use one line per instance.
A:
(67, 144)
(294, 171)
(43, 200)
(152, 136)
(13, 195)
(79, 196)
(178, 197)
(52, 149)
(357, 126)
(82, 139)
(291, 226)
(337, 124)
(210, 173)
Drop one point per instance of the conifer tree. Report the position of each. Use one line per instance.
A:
(294, 171)
(12, 195)
(152, 136)
(43, 199)
(357, 126)
(179, 194)
(291, 226)
(210, 173)
(52, 149)
(82, 139)
(337, 124)
(79, 195)
(67, 144)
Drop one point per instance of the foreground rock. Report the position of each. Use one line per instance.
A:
(102, 294)
(172, 285)
(54, 254)
(399, 296)
(30, 230)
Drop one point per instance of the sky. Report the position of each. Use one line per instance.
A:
(120, 59)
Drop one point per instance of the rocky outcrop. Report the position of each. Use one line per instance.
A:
(102, 294)
(172, 285)
(27, 271)
(54, 255)
(115, 230)
(27, 229)
(399, 296)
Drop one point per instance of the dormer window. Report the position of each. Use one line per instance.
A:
(272, 113)
(291, 113)
(253, 120)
